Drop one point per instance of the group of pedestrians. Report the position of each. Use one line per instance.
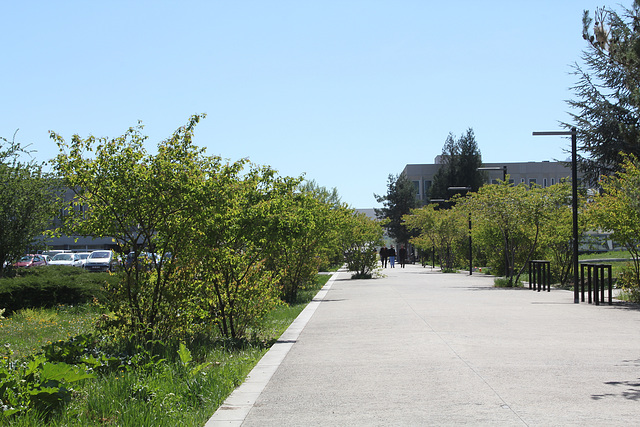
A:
(389, 254)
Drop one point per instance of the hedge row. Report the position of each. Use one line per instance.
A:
(50, 286)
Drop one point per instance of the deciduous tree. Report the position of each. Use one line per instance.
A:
(617, 210)
(305, 231)
(444, 230)
(233, 237)
(27, 202)
(517, 215)
(360, 237)
(143, 202)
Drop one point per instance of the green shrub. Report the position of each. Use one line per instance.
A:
(50, 286)
(503, 282)
(630, 286)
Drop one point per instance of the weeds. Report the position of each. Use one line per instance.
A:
(67, 374)
(503, 282)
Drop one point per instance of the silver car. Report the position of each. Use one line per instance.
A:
(102, 260)
(82, 258)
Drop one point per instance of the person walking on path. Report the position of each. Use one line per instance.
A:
(384, 256)
(403, 256)
(392, 257)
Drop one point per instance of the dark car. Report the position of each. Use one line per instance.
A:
(143, 261)
(30, 260)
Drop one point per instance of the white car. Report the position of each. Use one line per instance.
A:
(65, 259)
(102, 260)
(82, 258)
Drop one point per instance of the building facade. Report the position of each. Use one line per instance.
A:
(544, 174)
(76, 243)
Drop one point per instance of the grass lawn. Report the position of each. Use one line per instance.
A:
(600, 258)
(155, 388)
(29, 329)
(605, 255)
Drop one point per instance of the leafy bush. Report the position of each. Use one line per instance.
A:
(36, 384)
(630, 287)
(362, 260)
(503, 282)
(50, 286)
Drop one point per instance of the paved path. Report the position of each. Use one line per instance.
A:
(419, 347)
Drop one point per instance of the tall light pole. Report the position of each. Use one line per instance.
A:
(433, 248)
(507, 270)
(470, 249)
(574, 195)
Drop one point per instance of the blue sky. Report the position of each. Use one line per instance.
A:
(345, 92)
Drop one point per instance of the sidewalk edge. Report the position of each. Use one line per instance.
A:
(236, 407)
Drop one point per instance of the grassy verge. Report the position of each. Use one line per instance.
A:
(31, 328)
(605, 255)
(617, 267)
(167, 385)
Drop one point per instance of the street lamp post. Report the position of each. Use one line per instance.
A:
(470, 248)
(574, 195)
(507, 270)
(433, 249)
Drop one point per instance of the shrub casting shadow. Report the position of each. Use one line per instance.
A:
(631, 393)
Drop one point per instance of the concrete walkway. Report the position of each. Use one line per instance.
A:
(419, 347)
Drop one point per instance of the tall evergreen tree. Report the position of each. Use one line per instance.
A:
(399, 200)
(460, 159)
(606, 111)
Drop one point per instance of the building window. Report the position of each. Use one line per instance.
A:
(532, 181)
(553, 181)
(417, 185)
(544, 183)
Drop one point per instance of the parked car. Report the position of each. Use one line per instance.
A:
(82, 258)
(144, 260)
(30, 260)
(65, 259)
(100, 261)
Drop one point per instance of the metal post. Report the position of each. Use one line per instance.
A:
(589, 282)
(548, 276)
(610, 285)
(433, 257)
(574, 193)
(470, 249)
(574, 187)
(596, 290)
(467, 189)
(582, 280)
(601, 267)
(506, 241)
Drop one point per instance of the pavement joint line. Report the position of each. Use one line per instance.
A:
(236, 407)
